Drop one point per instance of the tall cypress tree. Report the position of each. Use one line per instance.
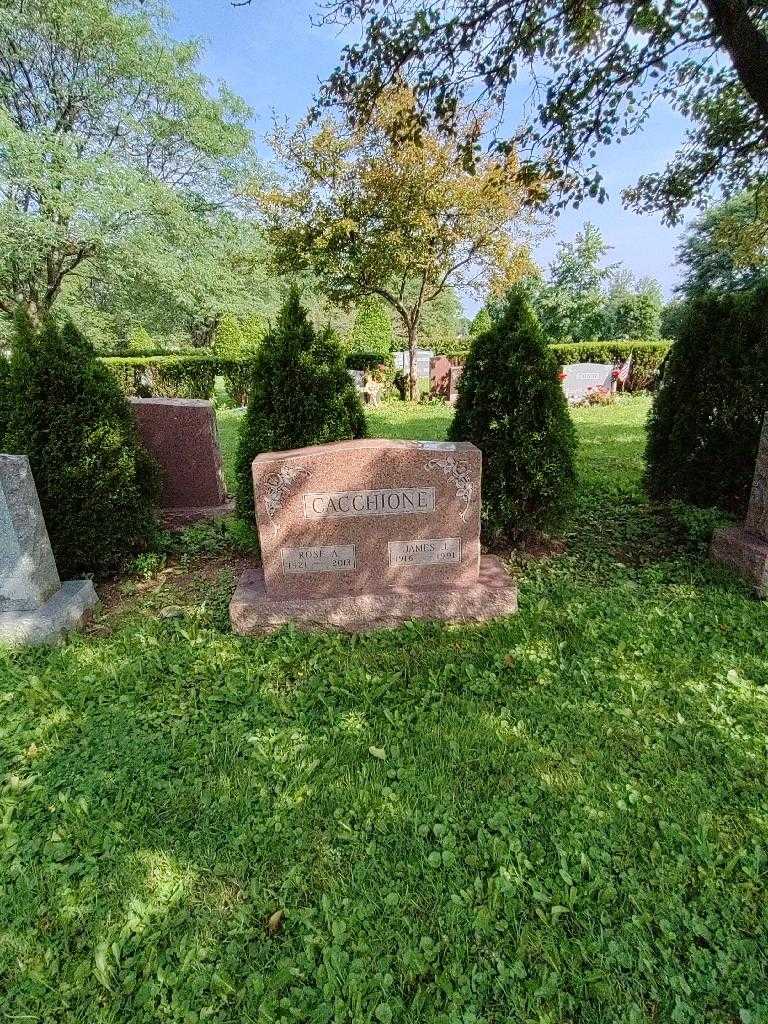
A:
(300, 394)
(511, 405)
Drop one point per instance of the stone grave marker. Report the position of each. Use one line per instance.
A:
(182, 436)
(580, 378)
(745, 548)
(444, 374)
(360, 534)
(35, 606)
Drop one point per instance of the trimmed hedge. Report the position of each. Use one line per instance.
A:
(179, 376)
(647, 357)
(164, 376)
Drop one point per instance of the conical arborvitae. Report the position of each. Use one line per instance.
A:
(705, 423)
(95, 482)
(511, 405)
(300, 394)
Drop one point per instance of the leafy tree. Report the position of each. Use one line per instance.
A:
(95, 482)
(481, 323)
(140, 340)
(228, 338)
(706, 418)
(723, 249)
(571, 305)
(595, 71)
(109, 146)
(672, 316)
(399, 220)
(632, 309)
(372, 328)
(300, 394)
(511, 405)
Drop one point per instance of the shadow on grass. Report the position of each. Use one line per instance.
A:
(580, 785)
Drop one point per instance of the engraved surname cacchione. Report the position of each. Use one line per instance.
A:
(384, 501)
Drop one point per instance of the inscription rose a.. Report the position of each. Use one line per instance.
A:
(321, 558)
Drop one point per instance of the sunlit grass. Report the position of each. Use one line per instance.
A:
(558, 817)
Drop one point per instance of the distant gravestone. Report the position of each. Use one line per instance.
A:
(745, 548)
(362, 534)
(423, 357)
(181, 434)
(35, 606)
(581, 378)
(444, 374)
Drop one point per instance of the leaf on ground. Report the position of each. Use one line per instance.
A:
(275, 922)
(377, 752)
(171, 611)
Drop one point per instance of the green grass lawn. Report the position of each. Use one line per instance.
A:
(558, 817)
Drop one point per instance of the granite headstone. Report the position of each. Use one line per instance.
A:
(745, 548)
(35, 606)
(360, 534)
(182, 436)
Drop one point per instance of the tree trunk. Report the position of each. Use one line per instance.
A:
(412, 378)
(746, 44)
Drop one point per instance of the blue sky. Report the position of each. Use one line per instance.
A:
(274, 57)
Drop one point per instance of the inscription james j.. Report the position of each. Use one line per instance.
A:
(324, 558)
(385, 501)
(436, 551)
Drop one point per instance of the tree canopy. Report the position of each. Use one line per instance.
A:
(400, 220)
(113, 156)
(595, 71)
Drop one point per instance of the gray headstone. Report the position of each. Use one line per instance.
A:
(757, 513)
(28, 574)
(581, 378)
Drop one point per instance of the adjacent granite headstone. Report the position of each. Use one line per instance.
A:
(581, 378)
(363, 534)
(182, 436)
(35, 606)
(745, 548)
(444, 374)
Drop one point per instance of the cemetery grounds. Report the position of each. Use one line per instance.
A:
(562, 816)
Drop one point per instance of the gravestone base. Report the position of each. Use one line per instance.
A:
(493, 595)
(62, 612)
(178, 518)
(745, 553)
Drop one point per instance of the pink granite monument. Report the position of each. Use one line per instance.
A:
(444, 374)
(745, 548)
(181, 434)
(362, 534)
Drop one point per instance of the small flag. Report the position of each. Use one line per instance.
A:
(623, 374)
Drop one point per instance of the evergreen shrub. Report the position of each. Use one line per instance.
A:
(512, 406)
(704, 427)
(300, 394)
(96, 483)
